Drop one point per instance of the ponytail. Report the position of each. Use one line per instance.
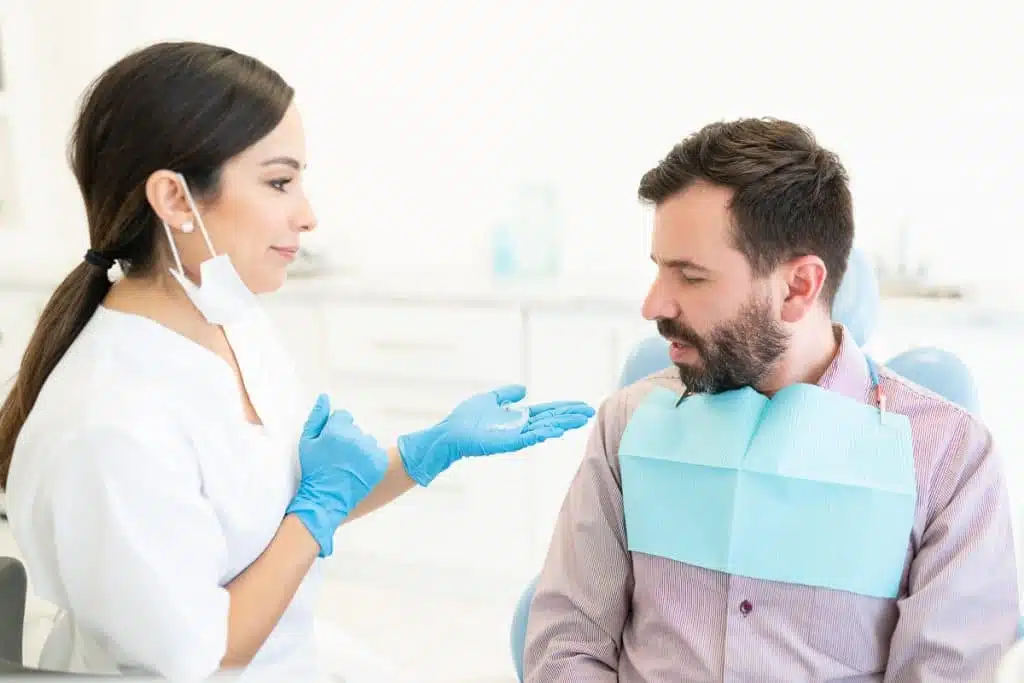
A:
(70, 307)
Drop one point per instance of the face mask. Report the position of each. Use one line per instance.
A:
(220, 296)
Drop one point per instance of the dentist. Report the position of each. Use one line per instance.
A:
(169, 491)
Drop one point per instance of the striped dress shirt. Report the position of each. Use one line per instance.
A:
(604, 614)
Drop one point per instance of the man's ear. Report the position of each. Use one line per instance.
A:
(803, 278)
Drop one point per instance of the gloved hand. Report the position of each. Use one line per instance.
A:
(340, 465)
(479, 426)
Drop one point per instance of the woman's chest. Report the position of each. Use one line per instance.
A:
(249, 475)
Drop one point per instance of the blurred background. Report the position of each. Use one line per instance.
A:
(474, 167)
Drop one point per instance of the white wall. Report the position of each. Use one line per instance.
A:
(421, 116)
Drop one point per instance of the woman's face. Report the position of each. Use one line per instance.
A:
(260, 211)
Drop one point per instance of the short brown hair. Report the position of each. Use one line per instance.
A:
(791, 197)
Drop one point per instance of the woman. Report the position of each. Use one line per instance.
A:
(166, 490)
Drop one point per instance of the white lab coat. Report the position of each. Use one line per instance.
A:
(138, 490)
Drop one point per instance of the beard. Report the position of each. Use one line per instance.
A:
(737, 353)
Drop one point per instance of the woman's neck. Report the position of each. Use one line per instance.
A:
(163, 300)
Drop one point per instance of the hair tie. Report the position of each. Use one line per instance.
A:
(95, 258)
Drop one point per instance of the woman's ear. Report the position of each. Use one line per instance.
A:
(167, 197)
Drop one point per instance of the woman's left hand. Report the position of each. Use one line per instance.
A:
(486, 424)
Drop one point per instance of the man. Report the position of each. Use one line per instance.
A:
(753, 228)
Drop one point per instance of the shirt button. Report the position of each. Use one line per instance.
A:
(746, 607)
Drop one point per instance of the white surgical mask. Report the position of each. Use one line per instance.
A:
(220, 296)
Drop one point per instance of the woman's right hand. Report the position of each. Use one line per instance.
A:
(340, 466)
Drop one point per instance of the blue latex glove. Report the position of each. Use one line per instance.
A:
(479, 426)
(340, 466)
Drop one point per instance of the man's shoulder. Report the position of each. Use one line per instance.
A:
(943, 431)
(909, 398)
(618, 408)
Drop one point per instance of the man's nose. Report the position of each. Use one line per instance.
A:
(659, 303)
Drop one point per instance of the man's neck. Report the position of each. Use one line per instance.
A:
(807, 359)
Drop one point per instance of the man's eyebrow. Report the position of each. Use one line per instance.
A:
(680, 263)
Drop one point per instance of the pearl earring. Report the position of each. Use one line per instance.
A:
(186, 226)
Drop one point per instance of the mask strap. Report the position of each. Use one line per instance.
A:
(174, 248)
(195, 212)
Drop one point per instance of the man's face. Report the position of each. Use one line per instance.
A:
(724, 324)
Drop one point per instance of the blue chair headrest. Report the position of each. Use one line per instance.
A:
(517, 634)
(650, 356)
(857, 300)
(939, 371)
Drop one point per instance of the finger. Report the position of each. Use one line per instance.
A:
(368, 442)
(561, 408)
(528, 439)
(509, 393)
(317, 417)
(562, 422)
(536, 436)
(532, 438)
(521, 441)
(339, 426)
(342, 417)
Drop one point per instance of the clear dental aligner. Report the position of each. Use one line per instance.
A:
(517, 417)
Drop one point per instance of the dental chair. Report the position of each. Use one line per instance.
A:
(13, 595)
(856, 307)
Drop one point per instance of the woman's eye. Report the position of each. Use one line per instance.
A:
(280, 183)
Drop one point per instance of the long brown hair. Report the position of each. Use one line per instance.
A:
(184, 106)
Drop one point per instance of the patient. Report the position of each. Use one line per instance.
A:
(779, 508)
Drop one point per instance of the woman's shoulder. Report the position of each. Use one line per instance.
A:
(108, 441)
(97, 422)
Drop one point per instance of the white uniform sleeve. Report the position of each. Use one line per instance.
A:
(140, 551)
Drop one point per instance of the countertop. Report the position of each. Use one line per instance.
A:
(608, 290)
(602, 292)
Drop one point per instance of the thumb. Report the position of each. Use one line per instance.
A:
(509, 393)
(317, 417)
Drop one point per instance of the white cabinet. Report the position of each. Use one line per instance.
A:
(19, 311)
(26, 175)
(301, 328)
(400, 365)
(581, 351)
(404, 367)
(573, 355)
(469, 518)
(430, 342)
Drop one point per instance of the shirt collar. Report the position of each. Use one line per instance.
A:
(848, 372)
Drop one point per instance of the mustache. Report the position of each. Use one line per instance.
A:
(673, 329)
